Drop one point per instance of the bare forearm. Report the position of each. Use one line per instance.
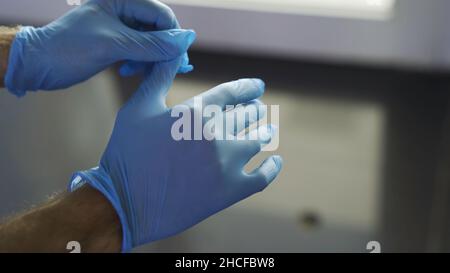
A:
(84, 216)
(7, 35)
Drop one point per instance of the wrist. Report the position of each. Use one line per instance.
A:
(84, 216)
(92, 220)
(99, 180)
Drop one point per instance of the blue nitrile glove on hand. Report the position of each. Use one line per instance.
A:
(160, 186)
(92, 37)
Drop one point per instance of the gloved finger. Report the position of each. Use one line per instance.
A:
(156, 14)
(243, 116)
(132, 68)
(232, 93)
(185, 66)
(246, 149)
(262, 176)
(150, 12)
(151, 95)
(263, 134)
(154, 46)
(186, 69)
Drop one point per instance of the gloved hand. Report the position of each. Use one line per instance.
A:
(160, 186)
(90, 38)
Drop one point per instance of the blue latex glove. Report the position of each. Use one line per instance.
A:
(159, 186)
(92, 37)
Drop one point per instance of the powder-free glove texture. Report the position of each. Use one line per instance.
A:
(161, 186)
(92, 37)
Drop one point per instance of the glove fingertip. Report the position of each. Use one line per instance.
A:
(271, 168)
(186, 69)
(278, 161)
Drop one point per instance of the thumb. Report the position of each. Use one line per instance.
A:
(155, 46)
(151, 94)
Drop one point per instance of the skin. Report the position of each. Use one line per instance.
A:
(7, 35)
(84, 215)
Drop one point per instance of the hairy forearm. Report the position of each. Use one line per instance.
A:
(84, 216)
(7, 35)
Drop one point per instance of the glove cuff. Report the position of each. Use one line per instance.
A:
(100, 180)
(17, 78)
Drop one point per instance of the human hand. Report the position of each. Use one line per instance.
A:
(160, 186)
(92, 37)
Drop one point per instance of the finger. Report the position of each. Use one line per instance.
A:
(185, 67)
(243, 116)
(149, 12)
(157, 82)
(232, 93)
(263, 134)
(154, 46)
(265, 174)
(255, 140)
(132, 68)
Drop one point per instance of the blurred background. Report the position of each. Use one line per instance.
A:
(364, 122)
